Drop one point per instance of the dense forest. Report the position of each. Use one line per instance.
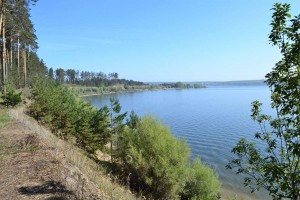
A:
(19, 60)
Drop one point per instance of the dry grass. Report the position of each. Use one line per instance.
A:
(4, 118)
(7, 146)
(89, 175)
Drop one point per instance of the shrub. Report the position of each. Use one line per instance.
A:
(158, 164)
(156, 160)
(10, 97)
(202, 183)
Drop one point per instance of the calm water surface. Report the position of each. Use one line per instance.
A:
(212, 120)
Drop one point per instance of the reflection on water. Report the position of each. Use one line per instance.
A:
(211, 119)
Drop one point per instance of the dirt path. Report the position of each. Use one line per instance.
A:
(28, 169)
(32, 168)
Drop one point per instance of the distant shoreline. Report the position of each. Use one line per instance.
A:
(158, 89)
(136, 90)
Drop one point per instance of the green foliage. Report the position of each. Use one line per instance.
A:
(158, 163)
(36, 68)
(92, 127)
(10, 97)
(19, 65)
(116, 122)
(101, 125)
(92, 79)
(197, 85)
(180, 85)
(202, 183)
(278, 168)
(67, 116)
(133, 120)
(157, 160)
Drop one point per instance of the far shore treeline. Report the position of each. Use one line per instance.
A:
(88, 78)
(100, 79)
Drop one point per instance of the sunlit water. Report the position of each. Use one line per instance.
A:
(212, 120)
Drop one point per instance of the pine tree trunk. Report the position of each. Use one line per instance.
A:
(1, 28)
(24, 66)
(11, 53)
(7, 62)
(1, 14)
(18, 60)
(3, 52)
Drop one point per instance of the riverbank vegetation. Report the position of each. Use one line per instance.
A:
(85, 83)
(181, 85)
(87, 91)
(143, 155)
(143, 152)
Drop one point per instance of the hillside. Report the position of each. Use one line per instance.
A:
(35, 164)
(220, 83)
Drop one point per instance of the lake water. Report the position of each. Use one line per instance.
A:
(211, 119)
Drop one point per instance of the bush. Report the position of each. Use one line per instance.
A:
(202, 183)
(155, 158)
(10, 97)
(158, 163)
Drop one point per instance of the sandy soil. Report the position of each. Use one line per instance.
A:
(28, 169)
(31, 168)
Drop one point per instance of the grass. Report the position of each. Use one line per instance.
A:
(108, 185)
(7, 147)
(2, 149)
(28, 144)
(4, 118)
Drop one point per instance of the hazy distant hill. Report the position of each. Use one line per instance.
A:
(223, 83)
(235, 83)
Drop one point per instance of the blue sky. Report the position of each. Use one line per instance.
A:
(159, 40)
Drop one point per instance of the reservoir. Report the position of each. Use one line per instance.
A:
(212, 120)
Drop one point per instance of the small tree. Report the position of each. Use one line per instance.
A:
(116, 121)
(202, 183)
(10, 97)
(133, 120)
(278, 168)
